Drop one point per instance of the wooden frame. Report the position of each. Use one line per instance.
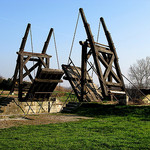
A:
(106, 56)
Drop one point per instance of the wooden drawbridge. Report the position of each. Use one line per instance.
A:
(106, 67)
(45, 80)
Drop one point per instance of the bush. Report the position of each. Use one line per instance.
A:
(6, 84)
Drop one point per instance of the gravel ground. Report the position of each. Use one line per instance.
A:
(39, 119)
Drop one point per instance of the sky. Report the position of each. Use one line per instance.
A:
(128, 22)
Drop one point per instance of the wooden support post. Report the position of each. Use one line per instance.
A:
(83, 71)
(47, 41)
(45, 48)
(109, 76)
(113, 49)
(21, 50)
(20, 77)
(116, 63)
(47, 62)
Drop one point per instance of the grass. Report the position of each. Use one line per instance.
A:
(113, 127)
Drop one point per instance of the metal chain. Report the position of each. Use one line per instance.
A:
(74, 37)
(56, 51)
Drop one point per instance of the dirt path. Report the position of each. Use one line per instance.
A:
(38, 119)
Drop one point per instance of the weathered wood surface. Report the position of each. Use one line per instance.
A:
(106, 56)
(46, 79)
(92, 93)
(45, 82)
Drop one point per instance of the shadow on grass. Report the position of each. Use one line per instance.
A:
(99, 110)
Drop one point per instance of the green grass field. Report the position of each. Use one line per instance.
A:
(112, 127)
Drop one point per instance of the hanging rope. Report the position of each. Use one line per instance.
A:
(97, 42)
(56, 51)
(98, 31)
(74, 37)
(32, 48)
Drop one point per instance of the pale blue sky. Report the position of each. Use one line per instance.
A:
(128, 22)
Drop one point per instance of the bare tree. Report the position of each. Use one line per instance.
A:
(139, 73)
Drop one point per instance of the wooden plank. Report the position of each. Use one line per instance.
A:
(47, 80)
(32, 59)
(117, 92)
(103, 50)
(34, 54)
(114, 84)
(99, 44)
(52, 71)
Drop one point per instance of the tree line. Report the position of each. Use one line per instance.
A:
(5, 84)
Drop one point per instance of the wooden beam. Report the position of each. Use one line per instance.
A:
(31, 69)
(113, 49)
(47, 41)
(43, 63)
(31, 59)
(34, 54)
(28, 72)
(114, 84)
(52, 71)
(83, 71)
(47, 62)
(109, 67)
(106, 66)
(18, 61)
(45, 48)
(20, 77)
(47, 80)
(103, 50)
(26, 60)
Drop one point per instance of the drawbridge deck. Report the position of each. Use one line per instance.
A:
(44, 84)
(73, 74)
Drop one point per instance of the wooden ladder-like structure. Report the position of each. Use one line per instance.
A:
(73, 75)
(104, 56)
(46, 79)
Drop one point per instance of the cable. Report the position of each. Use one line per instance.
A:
(97, 42)
(56, 50)
(32, 48)
(74, 36)
(98, 31)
